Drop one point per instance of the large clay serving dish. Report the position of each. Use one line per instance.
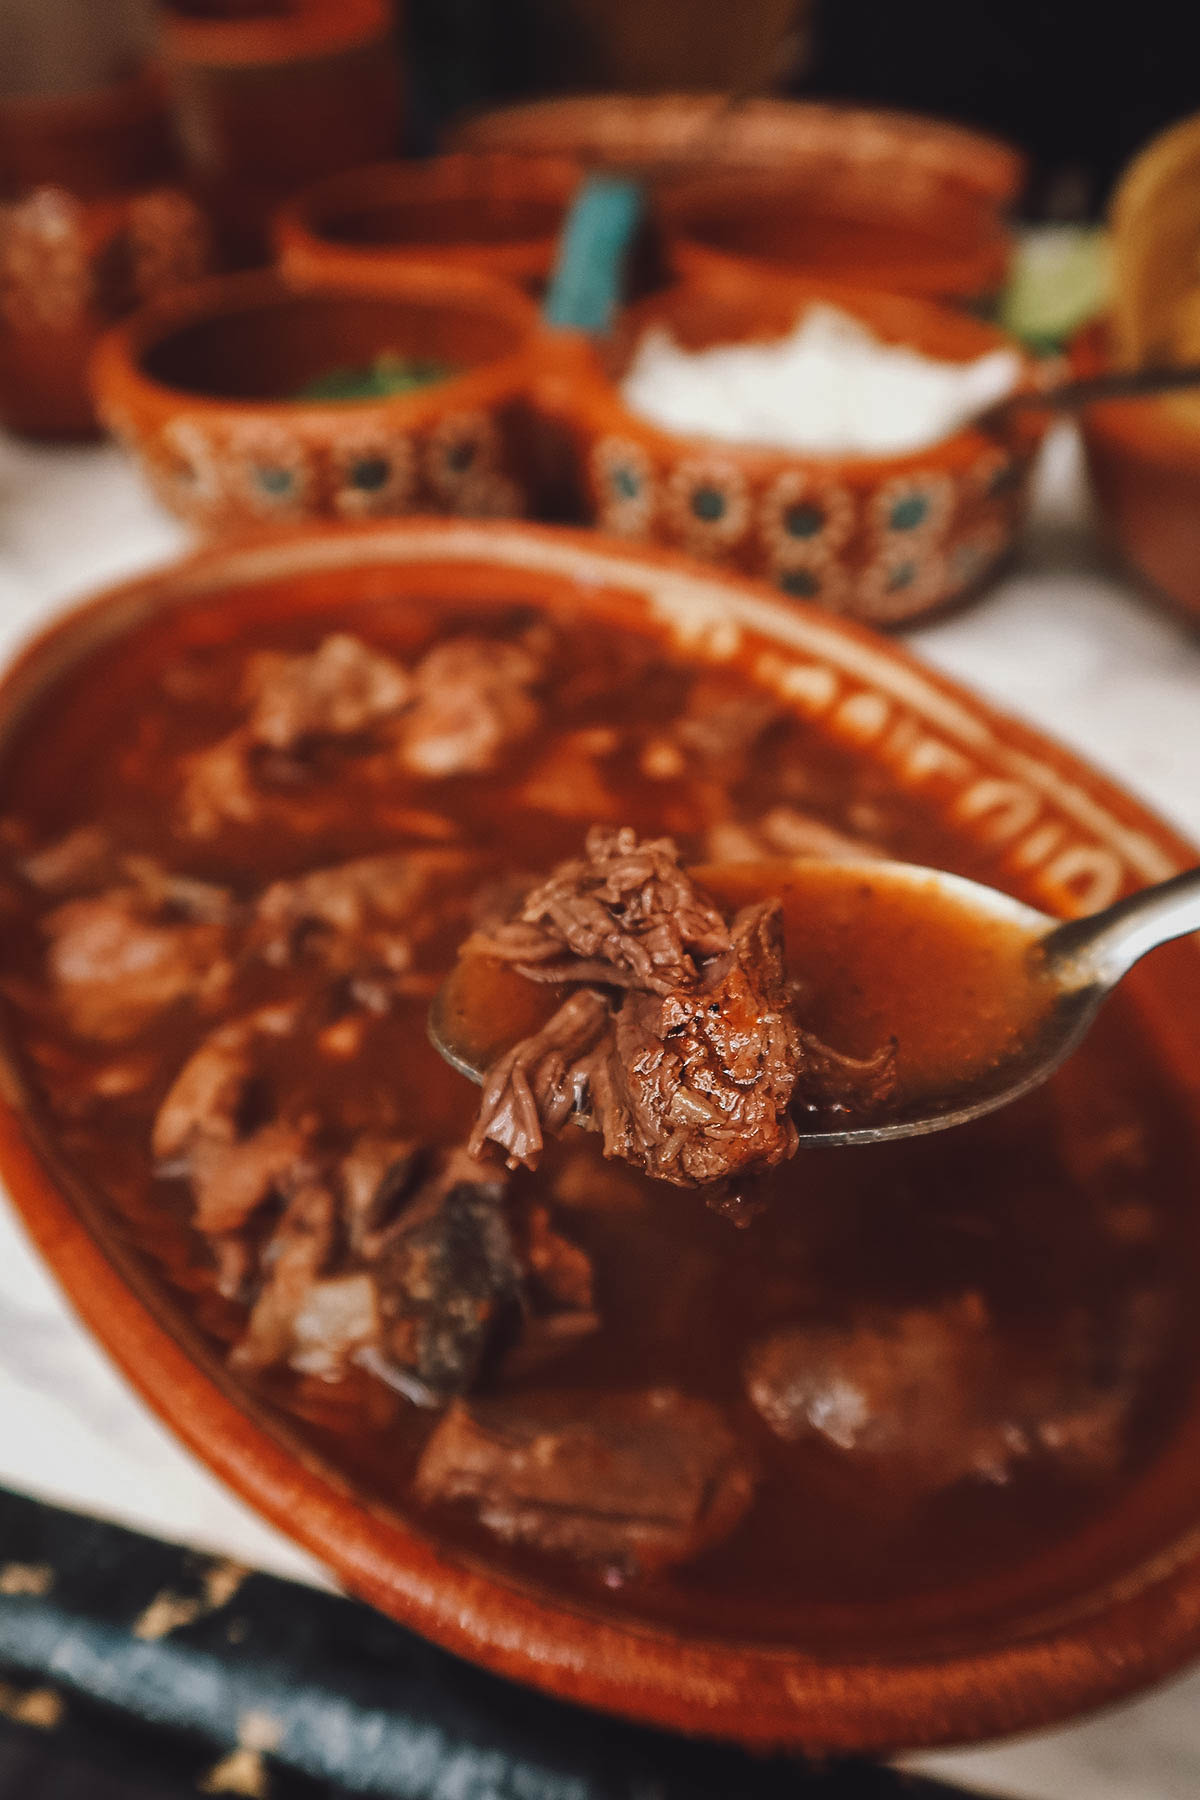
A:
(1143, 457)
(1106, 1611)
(198, 387)
(886, 539)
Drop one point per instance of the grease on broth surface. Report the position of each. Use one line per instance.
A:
(1062, 1223)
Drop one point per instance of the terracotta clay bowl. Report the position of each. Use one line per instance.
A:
(274, 97)
(196, 388)
(1090, 1618)
(497, 213)
(683, 134)
(885, 539)
(916, 231)
(1144, 461)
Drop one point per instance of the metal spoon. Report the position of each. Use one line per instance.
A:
(1092, 390)
(1069, 969)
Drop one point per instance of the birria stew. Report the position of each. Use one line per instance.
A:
(667, 1364)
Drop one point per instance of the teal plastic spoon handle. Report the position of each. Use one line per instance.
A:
(585, 286)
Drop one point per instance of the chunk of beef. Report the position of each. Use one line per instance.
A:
(692, 1084)
(545, 1081)
(367, 913)
(448, 1281)
(84, 859)
(338, 690)
(625, 914)
(414, 1266)
(632, 1481)
(300, 1248)
(118, 958)
(935, 1395)
(471, 700)
(207, 1127)
(207, 1097)
(697, 1085)
(217, 786)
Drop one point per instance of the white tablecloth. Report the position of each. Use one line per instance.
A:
(1065, 639)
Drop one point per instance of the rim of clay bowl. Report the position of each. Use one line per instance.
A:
(308, 250)
(123, 387)
(577, 384)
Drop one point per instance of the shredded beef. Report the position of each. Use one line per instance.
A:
(471, 700)
(632, 1481)
(455, 712)
(371, 912)
(413, 1265)
(340, 689)
(625, 914)
(691, 1075)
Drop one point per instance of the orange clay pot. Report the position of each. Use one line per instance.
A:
(499, 214)
(902, 231)
(198, 387)
(884, 538)
(87, 231)
(1091, 1619)
(1144, 460)
(683, 134)
(276, 98)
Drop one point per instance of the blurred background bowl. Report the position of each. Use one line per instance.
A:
(495, 212)
(684, 134)
(202, 388)
(915, 230)
(883, 538)
(1144, 462)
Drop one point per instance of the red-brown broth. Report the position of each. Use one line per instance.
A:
(1023, 1207)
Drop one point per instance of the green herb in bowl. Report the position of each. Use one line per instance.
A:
(386, 375)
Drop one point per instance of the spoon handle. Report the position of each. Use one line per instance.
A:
(1098, 950)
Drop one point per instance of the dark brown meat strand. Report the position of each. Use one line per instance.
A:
(691, 1075)
(633, 1481)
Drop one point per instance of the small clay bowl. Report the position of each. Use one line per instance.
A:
(690, 134)
(197, 388)
(883, 538)
(1143, 457)
(919, 231)
(1096, 1616)
(277, 96)
(496, 213)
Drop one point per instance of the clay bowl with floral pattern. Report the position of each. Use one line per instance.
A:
(199, 388)
(883, 538)
(497, 213)
(1144, 462)
(1095, 1613)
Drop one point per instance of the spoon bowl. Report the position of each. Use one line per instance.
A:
(982, 996)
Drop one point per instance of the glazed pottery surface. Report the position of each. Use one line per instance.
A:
(1116, 1605)
(90, 226)
(1144, 461)
(198, 388)
(906, 230)
(678, 134)
(268, 102)
(885, 539)
(497, 213)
